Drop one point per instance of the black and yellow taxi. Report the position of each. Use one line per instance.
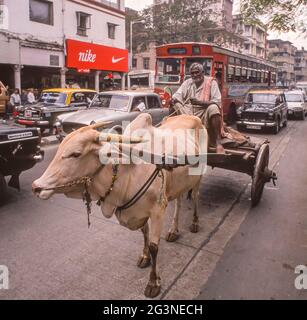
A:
(51, 104)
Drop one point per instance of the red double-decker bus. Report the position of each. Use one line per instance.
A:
(235, 73)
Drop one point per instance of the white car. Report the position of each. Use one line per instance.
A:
(297, 103)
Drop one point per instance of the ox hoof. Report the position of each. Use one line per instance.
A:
(143, 262)
(172, 236)
(194, 228)
(152, 290)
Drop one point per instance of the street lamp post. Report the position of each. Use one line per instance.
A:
(131, 43)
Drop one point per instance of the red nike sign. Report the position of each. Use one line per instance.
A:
(83, 55)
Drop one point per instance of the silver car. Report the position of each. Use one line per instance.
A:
(297, 103)
(115, 106)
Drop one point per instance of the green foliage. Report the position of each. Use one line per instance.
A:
(279, 15)
(183, 20)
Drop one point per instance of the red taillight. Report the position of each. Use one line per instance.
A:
(15, 114)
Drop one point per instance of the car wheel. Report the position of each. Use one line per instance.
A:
(232, 115)
(3, 190)
(303, 115)
(276, 129)
(285, 123)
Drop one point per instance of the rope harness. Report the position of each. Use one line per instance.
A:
(87, 181)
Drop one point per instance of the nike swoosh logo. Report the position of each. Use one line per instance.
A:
(114, 60)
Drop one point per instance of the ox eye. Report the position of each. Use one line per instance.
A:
(75, 155)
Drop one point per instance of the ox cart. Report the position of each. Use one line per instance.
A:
(252, 159)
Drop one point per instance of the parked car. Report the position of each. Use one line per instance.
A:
(302, 85)
(19, 151)
(113, 106)
(51, 104)
(263, 109)
(297, 104)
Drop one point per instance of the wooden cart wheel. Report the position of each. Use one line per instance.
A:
(259, 177)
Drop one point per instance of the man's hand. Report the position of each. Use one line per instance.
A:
(196, 102)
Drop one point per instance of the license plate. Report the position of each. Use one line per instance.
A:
(253, 127)
(28, 113)
(48, 114)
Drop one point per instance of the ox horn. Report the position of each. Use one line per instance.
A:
(109, 137)
(100, 124)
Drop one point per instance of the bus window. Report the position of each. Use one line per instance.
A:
(218, 73)
(254, 75)
(205, 62)
(244, 75)
(258, 77)
(168, 70)
(238, 74)
(231, 60)
(231, 74)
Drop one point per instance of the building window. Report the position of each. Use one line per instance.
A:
(134, 63)
(83, 23)
(146, 63)
(111, 30)
(210, 38)
(41, 11)
(54, 60)
(112, 3)
(247, 30)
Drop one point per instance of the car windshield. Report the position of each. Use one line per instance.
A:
(114, 102)
(261, 98)
(53, 98)
(291, 97)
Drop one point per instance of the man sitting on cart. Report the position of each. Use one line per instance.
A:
(201, 96)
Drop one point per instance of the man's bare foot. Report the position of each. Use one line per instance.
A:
(220, 149)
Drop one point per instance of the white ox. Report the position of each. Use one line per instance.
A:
(77, 167)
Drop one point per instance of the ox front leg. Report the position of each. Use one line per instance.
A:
(153, 287)
(173, 233)
(144, 259)
(194, 228)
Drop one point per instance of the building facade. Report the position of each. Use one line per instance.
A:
(35, 42)
(255, 43)
(283, 54)
(300, 66)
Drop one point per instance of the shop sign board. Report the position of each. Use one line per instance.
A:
(89, 56)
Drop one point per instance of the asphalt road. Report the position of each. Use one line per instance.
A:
(260, 261)
(51, 254)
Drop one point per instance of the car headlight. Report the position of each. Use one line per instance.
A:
(58, 123)
(239, 112)
(271, 115)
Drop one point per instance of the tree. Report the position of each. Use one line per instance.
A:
(279, 15)
(182, 20)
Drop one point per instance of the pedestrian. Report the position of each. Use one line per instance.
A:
(15, 101)
(24, 97)
(30, 96)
